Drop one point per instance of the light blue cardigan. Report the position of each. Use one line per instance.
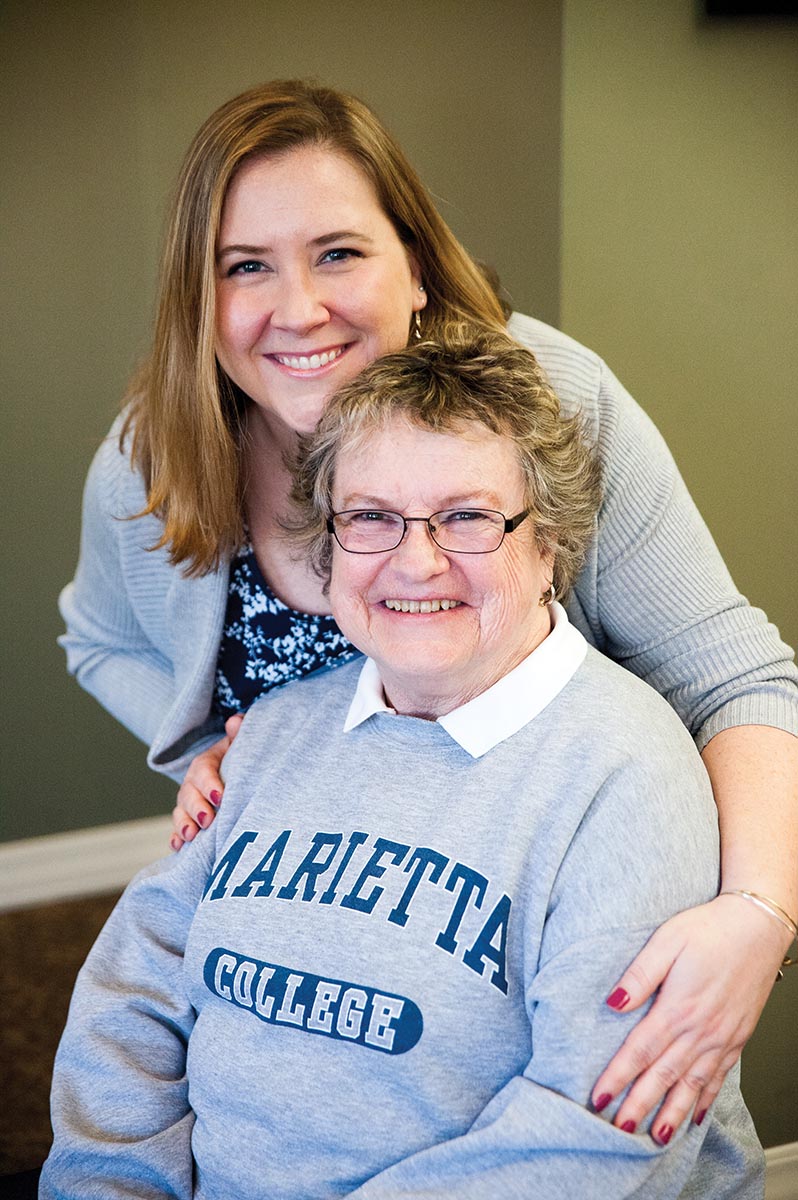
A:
(654, 593)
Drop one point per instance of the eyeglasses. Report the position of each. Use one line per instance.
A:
(456, 530)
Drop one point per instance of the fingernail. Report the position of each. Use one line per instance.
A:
(701, 1116)
(602, 1102)
(186, 832)
(215, 798)
(664, 1134)
(629, 1126)
(619, 999)
(175, 842)
(202, 819)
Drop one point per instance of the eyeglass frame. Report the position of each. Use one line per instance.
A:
(510, 526)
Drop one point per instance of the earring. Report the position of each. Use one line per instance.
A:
(417, 330)
(548, 596)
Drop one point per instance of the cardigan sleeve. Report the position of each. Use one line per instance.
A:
(107, 649)
(664, 600)
(654, 593)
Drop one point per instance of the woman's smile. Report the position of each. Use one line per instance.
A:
(421, 606)
(313, 283)
(308, 361)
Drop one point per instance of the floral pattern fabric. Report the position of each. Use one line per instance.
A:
(265, 643)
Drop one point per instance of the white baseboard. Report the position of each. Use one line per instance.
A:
(781, 1172)
(88, 862)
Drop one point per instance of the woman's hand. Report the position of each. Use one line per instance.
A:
(201, 791)
(715, 966)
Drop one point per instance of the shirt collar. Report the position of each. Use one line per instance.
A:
(503, 709)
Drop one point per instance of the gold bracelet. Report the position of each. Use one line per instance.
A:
(767, 905)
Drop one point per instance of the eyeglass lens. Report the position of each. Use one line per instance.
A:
(465, 531)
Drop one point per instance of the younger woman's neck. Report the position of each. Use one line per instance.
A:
(268, 459)
(267, 504)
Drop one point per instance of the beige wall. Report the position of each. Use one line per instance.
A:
(680, 266)
(98, 103)
(680, 256)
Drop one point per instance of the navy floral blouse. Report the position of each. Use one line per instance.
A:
(266, 643)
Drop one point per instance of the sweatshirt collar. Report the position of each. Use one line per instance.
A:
(503, 709)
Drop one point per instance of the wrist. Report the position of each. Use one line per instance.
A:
(776, 881)
(773, 910)
(768, 905)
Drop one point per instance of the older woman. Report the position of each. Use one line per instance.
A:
(301, 246)
(379, 973)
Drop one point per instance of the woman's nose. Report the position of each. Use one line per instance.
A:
(418, 555)
(300, 306)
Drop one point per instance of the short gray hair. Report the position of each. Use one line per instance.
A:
(477, 376)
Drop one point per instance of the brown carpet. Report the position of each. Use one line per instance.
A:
(41, 951)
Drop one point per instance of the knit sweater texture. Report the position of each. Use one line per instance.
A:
(381, 973)
(654, 593)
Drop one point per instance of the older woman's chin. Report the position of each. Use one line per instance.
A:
(433, 662)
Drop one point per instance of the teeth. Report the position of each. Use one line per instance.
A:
(423, 606)
(304, 362)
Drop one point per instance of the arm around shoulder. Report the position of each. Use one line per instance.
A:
(661, 595)
(655, 594)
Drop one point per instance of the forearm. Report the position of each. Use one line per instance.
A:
(754, 774)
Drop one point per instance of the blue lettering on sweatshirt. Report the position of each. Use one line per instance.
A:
(330, 1007)
(332, 869)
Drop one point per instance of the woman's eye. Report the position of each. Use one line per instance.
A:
(340, 254)
(372, 518)
(246, 267)
(460, 516)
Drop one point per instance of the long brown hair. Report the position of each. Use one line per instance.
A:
(184, 414)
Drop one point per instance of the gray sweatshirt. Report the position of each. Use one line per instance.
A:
(381, 973)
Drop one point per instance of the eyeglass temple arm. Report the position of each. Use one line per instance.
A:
(512, 523)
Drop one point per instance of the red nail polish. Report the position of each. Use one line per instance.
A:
(215, 797)
(202, 819)
(175, 842)
(629, 1126)
(602, 1102)
(186, 832)
(701, 1116)
(619, 999)
(664, 1134)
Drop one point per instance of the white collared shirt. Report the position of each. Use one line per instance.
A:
(499, 712)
